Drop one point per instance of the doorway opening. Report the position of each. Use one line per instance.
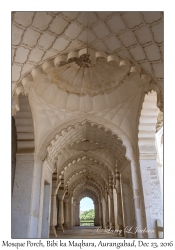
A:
(87, 213)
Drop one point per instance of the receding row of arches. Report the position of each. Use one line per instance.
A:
(85, 158)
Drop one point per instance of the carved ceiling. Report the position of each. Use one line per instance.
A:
(39, 36)
(87, 131)
(50, 65)
(86, 64)
(102, 77)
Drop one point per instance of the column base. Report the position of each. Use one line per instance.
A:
(53, 232)
(112, 226)
(66, 225)
(59, 228)
(122, 230)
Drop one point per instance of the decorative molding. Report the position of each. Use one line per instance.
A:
(147, 127)
(55, 146)
(118, 32)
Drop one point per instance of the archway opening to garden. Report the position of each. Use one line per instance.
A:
(87, 213)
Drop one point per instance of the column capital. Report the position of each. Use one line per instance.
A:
(60, 196)
(66, 200)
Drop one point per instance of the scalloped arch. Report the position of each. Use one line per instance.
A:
(147, 125)
(68, 164)
(60, 140)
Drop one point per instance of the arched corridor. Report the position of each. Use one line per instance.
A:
(84, 123)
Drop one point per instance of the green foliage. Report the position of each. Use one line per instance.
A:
(87, 215)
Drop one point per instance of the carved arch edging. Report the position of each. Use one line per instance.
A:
(147, 126)
(71, 161)
(55, 141)
(24, 84)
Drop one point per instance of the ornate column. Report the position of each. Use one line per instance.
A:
(77, 209)
(104, 212)
(119, 213)
(60, 196)
(60, 213)
(53, 218)
(96, 209)
(74, 213)
(66, 214)
(100, 213)
(111, 205)
(107, 207)
(22, 198)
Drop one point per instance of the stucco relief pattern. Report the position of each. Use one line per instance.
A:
(39, 36)
(88, 131)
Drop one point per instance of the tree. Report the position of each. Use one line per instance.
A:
(87, 215)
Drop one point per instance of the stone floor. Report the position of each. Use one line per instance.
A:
(87, 232)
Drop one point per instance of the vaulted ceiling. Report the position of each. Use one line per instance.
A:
(91, 66)
(39, 36)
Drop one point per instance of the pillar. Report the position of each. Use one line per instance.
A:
(111, 204)
(53, 219)
(119, 213)
(107, 208)
(36, 195)
(104, 211)
(74, 213)
(45, 200)
(66, 214)
(60, 213)
(152, 199)
(77, 210)
(21, 199)
(96, 209)
(152, 194)
(100, 213)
